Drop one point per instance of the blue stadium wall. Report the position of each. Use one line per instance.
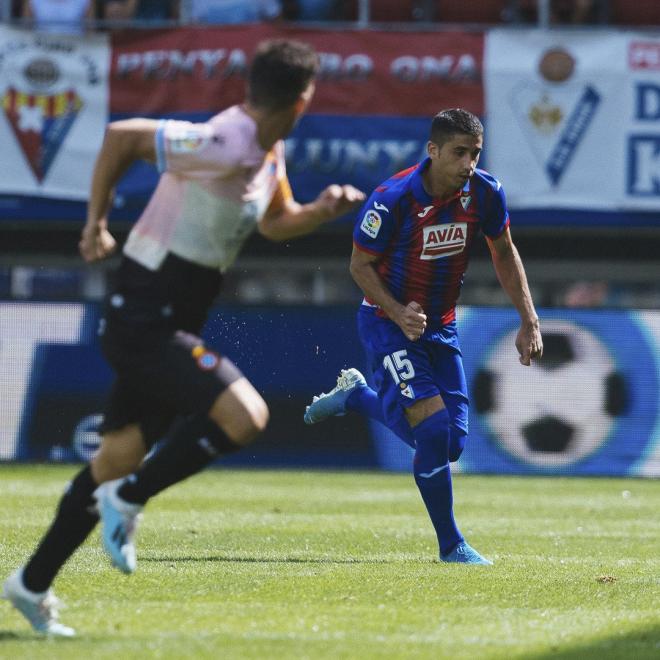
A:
(591, 407)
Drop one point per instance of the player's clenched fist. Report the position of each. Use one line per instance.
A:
(529, 343)
(96, 243)
(412, 321)
(337, 200)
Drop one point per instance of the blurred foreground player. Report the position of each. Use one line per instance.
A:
(220, 181)
(410, 252)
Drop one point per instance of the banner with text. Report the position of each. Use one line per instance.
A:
(376, 92)
(563, 131)
(362, 72)
(375, 95)
(573, 118)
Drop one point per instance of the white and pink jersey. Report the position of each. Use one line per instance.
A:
(216, 185)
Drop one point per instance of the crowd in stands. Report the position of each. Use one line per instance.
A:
(77, 15)
(561, 12)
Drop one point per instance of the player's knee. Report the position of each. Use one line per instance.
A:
(241, 415)
(107, 467)
(457, 438)
(429, 455)
(256, 419)
(432, 444)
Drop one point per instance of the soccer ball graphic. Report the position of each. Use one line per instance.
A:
(561, 408)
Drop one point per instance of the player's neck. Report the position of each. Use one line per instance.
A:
(271, 126)
(436, 188)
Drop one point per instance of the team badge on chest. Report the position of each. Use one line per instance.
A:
(443, 240)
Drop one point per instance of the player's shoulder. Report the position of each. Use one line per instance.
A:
(486, 180)
(235, 131)
(391, 190)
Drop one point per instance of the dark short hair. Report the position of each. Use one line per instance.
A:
(448, 123)
(280, 72)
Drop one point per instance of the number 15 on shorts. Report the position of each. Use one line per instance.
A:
(399, 366)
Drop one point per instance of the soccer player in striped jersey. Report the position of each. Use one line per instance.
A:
(410, 251)
(220, 181)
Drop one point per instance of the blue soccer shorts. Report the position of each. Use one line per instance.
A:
(405, 371)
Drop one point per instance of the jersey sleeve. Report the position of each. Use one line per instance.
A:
(374, 226)
(283, 193)
(496, 217)
(196, 150)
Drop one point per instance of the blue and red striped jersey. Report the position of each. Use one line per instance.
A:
(423, 243)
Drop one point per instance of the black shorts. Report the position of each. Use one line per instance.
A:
(161, 376)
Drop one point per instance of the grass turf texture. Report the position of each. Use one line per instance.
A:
(287, 564)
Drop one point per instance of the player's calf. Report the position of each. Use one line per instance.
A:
(457, 439)
(191, 447)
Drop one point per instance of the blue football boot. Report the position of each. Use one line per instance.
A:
(334, 402)
(464, 553)
(120, 520)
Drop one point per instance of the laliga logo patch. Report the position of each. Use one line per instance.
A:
(188, 141)
(206, 360)
(555, 118)
(443, 240)
(371, 223)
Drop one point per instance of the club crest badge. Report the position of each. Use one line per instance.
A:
(40, 123)
(555, 116)
(53, 106)
(206, 360)
(407, 391)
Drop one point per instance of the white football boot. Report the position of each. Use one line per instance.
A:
(40, 609)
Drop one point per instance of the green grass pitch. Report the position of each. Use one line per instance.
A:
(295, 564)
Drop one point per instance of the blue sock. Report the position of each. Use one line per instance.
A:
(433, 477)
(365, 401)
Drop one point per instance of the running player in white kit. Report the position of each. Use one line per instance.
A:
(220, 181)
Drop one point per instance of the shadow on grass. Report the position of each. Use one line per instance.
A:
(31, 636)
(281, 560)
(9, 636)
(642, 644)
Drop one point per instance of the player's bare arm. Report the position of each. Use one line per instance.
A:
(125, 142)
(410, 318)
(286, 218)
(511, 274)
